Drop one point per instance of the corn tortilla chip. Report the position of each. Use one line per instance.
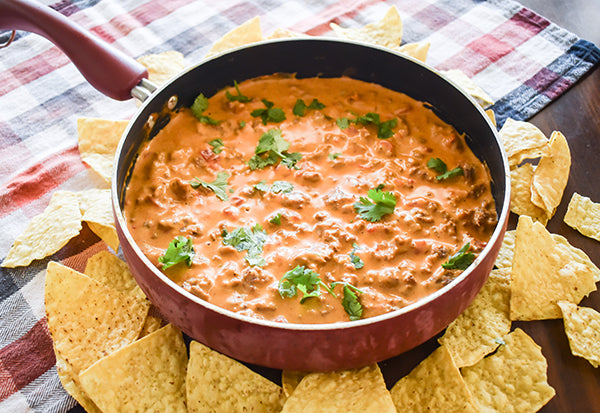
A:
(88, 320)
(507, 251)
(513, 379)
(248, 32)
(358, 390)
(584, 215)
(110, 270)
(290, 380)
(576, 255)
(435, 385)
(285, 34)
(417, 50)
(145, 376)
(551, 175)
(467, 84)
(163, 66)
(47, 232)
(67, 379)
(582, 325)
(522, 140)
(476, 332)
(492, 116)
(98, 141)
(96, 207)
(521, 179)
(542, 274)
(151, 325)
(387, 32)
(216, 382)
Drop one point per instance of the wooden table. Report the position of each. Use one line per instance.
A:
(577, 115)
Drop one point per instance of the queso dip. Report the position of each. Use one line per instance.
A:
(309, 200)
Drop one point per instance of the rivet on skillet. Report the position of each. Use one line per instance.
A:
(172, 102)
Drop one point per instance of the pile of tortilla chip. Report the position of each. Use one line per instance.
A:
(537, 190)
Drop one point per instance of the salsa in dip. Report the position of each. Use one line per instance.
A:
(309, 200)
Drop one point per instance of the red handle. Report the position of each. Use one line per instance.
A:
(107, 69)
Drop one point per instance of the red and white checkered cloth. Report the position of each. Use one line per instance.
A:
(521, 59)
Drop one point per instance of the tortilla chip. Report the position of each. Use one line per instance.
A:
(507, 251)
(67, 379)
(98, 141)
(417, 50)
(582, 325)
(576, 255)
(387, 32)
(285, 34)
(358, 390)
(110, 270)
(290, 380)
(96, 207)
(551, 175)
(520, 194)
(513, 379)
(47, 232)
(584, 216)
(522, 140)
(476, 332)
(247, 32)
(88, 320)
(216, 382)
(163, 66)
(145, 376)
(542, 274)
(467, 84)
(151, 325)
(435, 385)
(492, 116)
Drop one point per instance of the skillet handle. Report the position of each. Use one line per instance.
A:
(106, 68)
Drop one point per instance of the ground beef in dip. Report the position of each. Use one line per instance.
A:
(260, 197)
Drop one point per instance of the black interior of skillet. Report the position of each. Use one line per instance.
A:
(328, 58)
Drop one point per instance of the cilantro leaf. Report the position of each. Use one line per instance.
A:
(334, 156)
(218, 186)
(461, 260)
(239, 97)
(384, 204)
(269, 113)
(384, 129)
(350, 300)
(217, 145)
(247, 239)
(440, 167)
(300, 107)
(262, 186)
(198, 107)
(181, 249)
(303, 279)
(275, 147)
(355, 259)
(276, 219)
(343, 123)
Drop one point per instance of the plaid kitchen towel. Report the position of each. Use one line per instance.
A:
(522, 60)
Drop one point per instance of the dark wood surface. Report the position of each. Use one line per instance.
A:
(577, 115)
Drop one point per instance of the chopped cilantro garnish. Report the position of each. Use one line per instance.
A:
(239, 97)
(385, 202)
(282, 187)
(181, 249)
(272, 144)
(334, 156)
(217, 145)
(276, 219)
(343, 123)
(440, 167)
(269, 113)
(247, 239)
(355, 259)
(262, 186)
(300, 107)
(242, 124)
(218, 186)
(198, 107)
(303, 279)
(350, 301)
(461, 260)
